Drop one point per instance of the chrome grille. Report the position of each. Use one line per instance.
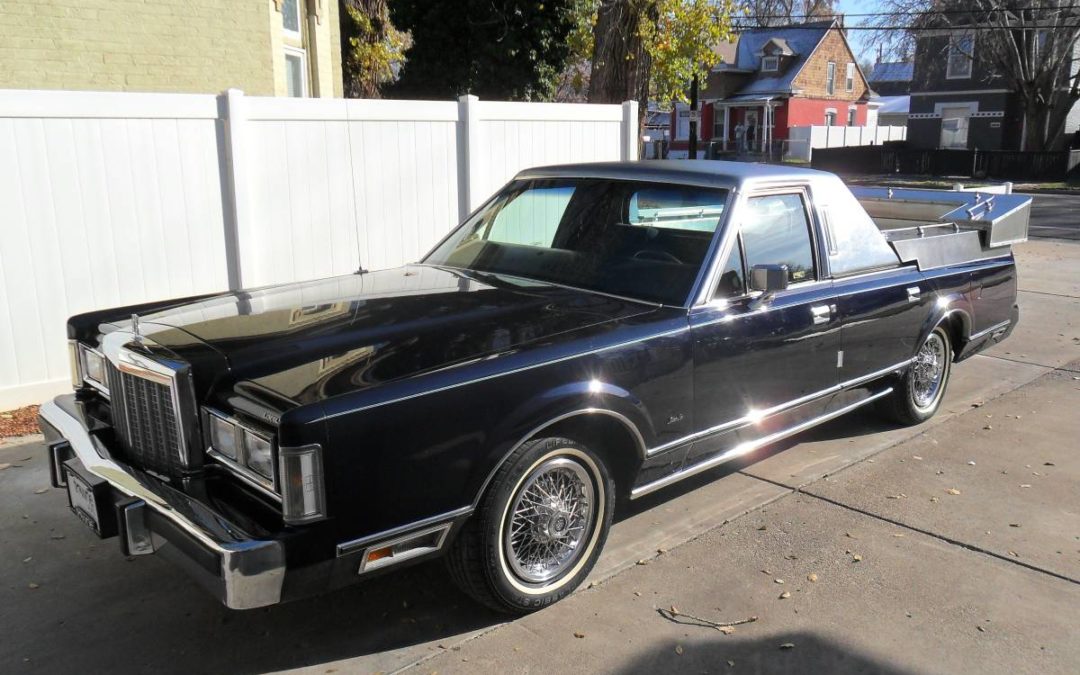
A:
(145, 419)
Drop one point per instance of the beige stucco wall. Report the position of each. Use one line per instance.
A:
(203, 46)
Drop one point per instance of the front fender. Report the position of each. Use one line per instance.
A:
(547, 408)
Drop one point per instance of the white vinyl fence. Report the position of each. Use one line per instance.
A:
(117, 198)
(802, 140)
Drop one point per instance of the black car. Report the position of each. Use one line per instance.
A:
(593, 332)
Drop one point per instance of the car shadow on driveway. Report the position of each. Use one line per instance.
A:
(782, 654)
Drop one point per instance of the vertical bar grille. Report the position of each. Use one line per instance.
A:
(146, 421)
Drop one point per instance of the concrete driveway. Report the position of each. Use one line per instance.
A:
(945, 582)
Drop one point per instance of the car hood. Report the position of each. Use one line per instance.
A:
(303, 342)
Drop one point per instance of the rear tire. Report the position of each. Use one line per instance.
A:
(539, 528)
(918, 392)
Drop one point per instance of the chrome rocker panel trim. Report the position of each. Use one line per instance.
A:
(750, 446)
(992, 329)
(252, 571)
(769, 412)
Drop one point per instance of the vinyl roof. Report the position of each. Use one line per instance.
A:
(692, 172)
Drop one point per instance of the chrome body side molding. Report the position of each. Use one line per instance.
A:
(404, 531)
(749, 446)
(769, 412)
(991, 330)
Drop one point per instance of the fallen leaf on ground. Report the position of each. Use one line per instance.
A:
(899, 496)
(779, 581)
(953, 491)
(856, 558)
(4, 466)
(898, 534)
(933, 499)
(579, 635)
(28, 559)
(726, 630)
(763, 528)
(980, 629)
(674, 610)
(988, 428)
(788, 645)
(56, 536)
(678, 649)
(785, 595)
(1014, 554)
(643, 562)
(1025, 485)
(971, 463)
(41, 491)
(33, 586)
(1014, 524)
(811, 577)
(916, 457)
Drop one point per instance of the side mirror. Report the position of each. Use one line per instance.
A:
(768, 278)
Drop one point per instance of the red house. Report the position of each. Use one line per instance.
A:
(778, 78)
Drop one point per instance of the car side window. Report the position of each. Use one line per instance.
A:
(776, 231)
(731, 282)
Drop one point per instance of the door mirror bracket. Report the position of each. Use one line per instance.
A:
(768, 279)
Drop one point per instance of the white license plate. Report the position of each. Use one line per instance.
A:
(82, 501)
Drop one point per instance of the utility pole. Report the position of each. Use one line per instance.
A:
(692, 146)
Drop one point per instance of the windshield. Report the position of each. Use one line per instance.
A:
(633, 239)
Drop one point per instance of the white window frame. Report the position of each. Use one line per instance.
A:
(830, 78)
(954, 43)
(849, 78)
(302, 53)
(832, 112)
(299, 19)
(767, 60)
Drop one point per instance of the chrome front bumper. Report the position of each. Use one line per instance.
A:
(242, 572)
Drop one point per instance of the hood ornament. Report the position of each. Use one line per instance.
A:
(135, 325)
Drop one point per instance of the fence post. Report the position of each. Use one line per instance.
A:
(236, 182)
(469, 156)
(629, 130)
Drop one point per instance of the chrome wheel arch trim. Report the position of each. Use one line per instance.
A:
(639, 441)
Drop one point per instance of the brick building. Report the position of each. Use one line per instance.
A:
(780, 77)
(265, 47)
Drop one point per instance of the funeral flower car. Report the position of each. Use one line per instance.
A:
(593, 332)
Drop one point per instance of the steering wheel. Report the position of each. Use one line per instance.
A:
(653, 254)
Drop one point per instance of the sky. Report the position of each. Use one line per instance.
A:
(858, 38)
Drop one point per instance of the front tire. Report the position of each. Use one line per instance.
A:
(539, 528)
(918, 393)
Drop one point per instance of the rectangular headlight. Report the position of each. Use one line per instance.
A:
(303, 492)
(92, 368)
(223, 436)
(259, 454)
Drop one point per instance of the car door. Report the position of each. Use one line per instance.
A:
(882, 305)
(763, 364)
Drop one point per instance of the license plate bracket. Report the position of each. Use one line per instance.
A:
(91, 499)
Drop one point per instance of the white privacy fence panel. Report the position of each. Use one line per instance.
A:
(802, 140)
(117, 198)
(106, 200)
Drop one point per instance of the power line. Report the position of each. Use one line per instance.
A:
(908, 29)
(928, 12)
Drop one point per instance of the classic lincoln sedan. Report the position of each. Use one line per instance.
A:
(593, 333)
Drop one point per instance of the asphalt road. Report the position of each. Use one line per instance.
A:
(70, 602)
(1055, 216)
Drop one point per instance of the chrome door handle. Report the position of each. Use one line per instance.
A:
(913, 293)
(821, 313)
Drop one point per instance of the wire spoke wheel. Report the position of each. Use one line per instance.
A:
(927, 371)
(551, 519)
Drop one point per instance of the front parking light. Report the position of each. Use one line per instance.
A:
(303, 492)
